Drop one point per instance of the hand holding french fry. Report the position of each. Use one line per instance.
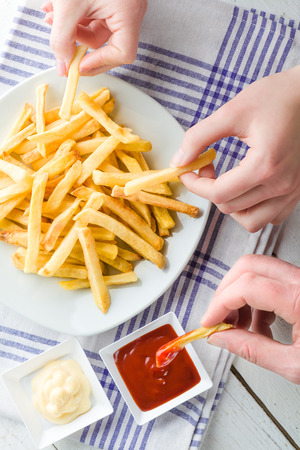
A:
(94, 23)
(265, 186)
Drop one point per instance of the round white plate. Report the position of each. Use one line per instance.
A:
(74, 312)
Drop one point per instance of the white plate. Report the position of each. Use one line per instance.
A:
(140, 416)
(42, 299)
(18, 383)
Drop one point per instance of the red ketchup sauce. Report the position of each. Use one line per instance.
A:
(151, 386)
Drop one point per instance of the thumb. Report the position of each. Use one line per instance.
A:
(220, 124)
(63, 33)
(261, 350)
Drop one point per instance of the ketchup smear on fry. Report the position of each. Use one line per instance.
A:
(149, 385)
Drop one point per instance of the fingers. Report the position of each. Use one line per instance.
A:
(259, 215)
(227, 186)
(65, 17)
(47, 7)
(221, 123)
(121, 49)
(261, 322)
(247, 200)
(94, 36)
(285, 212)
(265, 266)
(207, 171)
(258, 292)
(279, 358)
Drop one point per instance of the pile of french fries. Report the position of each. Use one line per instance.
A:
(76, 194)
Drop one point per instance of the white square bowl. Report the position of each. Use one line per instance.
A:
(18, 383)
(141, 417)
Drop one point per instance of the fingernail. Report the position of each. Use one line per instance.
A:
(216, 341)
(61, 68)
(178, 159)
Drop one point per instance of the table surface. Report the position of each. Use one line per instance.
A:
(258, 409)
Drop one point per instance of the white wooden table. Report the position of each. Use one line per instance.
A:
(258, 410)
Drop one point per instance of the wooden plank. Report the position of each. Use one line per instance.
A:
(14, 435)
(239, 423)
(281, 397)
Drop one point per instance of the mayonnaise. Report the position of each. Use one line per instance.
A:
(61, 391)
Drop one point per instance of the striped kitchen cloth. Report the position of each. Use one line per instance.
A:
(193, 57)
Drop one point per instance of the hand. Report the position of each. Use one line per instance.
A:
(95, 22)
(265, 186)
(253, 292)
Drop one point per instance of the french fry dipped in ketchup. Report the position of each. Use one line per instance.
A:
(167, 352)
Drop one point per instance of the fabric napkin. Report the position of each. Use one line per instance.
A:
(193, 56)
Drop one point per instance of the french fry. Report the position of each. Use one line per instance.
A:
(66, 246)
(89, 145)
(142, 210)
(140, 145)
(162, 231)
(127, 215)
(18, 163)
(57, 165)
(163, 217)
(65, 129)
(124, 233)
(58, 225)
(7, 207)
(152, 199)
(94, 110)
(17, 215)
(109, 280)
(101, 234)
(67, 270)
(63, 187)
(12, 191)
(62, 130)
(128, 161)
(21, 120)
(118, 263)
(18, 174)
(40, 115)
(52, 114)
(128, 254)
(106, 167)
(133, 166)
(146, 181)
(5, 181)
(34, 222)
(17, 237)
(97, 157)
(86, 130)
(72, 81)
(8, 225)
(123, 178)
(99, 290)
(104, 249)
(9, 145)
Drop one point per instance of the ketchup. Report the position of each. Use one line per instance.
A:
(149, 385)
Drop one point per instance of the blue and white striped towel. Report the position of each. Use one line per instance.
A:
(193, 56)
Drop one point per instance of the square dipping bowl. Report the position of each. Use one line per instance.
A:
(18, 383)
(141, 417)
